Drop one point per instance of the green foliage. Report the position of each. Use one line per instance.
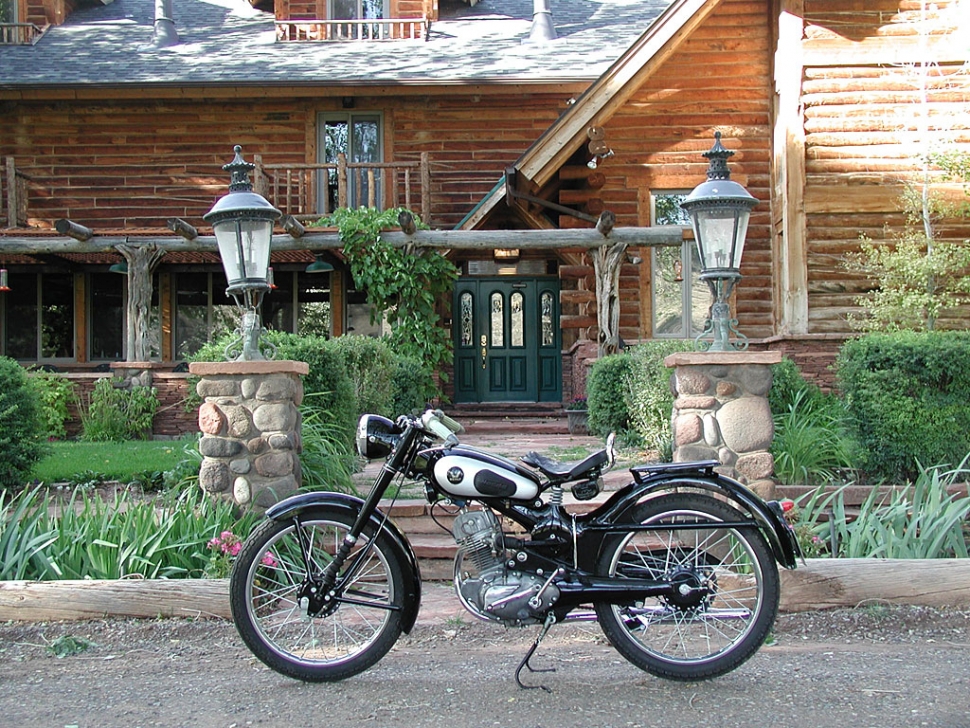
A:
(413, 385)
(87, 538)
(918, 276)
(22, 431)
(651, 398)
(327, 461)
(608, 394)
(53, 392)
(906, 395)
(114, 414)
(919, 521)
(810, 445)
(402, 285)
(67, 458)
(67, 645)
(371, 366)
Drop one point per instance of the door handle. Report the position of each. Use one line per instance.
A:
(484, 350)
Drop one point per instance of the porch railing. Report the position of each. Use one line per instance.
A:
(337, 30)
(310, 191)
(13, 205)
(20, 33)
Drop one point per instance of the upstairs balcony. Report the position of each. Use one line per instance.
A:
(137, 198)
(20, 33)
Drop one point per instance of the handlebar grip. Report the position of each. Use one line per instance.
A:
(451, 424)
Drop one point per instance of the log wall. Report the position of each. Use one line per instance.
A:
(872, 110)
(131, 165)
(718, 80)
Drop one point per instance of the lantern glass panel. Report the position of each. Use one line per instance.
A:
(244, 246)
(720, 234)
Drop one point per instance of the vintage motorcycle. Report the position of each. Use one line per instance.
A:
(679, 566)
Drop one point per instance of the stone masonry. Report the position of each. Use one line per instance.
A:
(250, 425)
(721, 413)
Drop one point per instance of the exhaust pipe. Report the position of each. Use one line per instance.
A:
(542, 28)
(165, 34)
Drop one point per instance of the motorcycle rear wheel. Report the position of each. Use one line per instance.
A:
(264, 587)
(727, 589)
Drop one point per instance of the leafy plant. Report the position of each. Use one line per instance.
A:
(114, 413)
(25, 533)
(651, 399)
(327, 461)
(53, 392)
(608, 394)
(67, 645)
(919, 521)
(402, 285)
(87, 479)
(23, 437)
(810, 445)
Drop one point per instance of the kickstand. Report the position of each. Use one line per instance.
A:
(550, 620)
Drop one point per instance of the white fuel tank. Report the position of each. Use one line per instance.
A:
(470, 473)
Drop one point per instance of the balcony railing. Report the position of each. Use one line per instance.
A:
(337, 30)
(20, 33)
(309, 191)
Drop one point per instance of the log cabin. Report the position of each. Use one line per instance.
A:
(508, 126)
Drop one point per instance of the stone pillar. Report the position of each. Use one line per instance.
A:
(250, 426)
(721, 412)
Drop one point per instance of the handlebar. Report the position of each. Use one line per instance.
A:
(440, 425)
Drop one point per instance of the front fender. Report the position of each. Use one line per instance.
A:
(656, 479)
(350, 506)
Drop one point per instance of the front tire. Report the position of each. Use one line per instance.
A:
(269, 574)
(726, 597)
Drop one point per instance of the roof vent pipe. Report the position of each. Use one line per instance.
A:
(165, 34)
(542, 28)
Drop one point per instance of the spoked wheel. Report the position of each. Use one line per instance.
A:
(725, 595)
(271, 593)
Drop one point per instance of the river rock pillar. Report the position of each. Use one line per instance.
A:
(250, 425)
(721, 412)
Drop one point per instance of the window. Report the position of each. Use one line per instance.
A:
(39, 316)
(307, 295)
(358, 137)
(107, 316)
(680, 300)
(354, 9)
(203, 311)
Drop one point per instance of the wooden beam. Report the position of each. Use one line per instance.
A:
(556, 238)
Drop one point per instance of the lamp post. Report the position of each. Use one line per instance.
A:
(243, 225)
(719, 210)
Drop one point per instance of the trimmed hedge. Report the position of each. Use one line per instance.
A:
(908, 398)
(22, 431)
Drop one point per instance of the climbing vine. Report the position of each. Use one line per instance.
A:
(403, 284)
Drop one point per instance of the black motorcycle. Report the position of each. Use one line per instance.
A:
(679, 566)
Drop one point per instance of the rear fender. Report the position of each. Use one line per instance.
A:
(350, 506)
(654, 480)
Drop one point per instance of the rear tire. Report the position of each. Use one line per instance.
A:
(268, 575)
(728, 589)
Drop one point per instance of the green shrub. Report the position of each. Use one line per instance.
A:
(327, 461)
(54, 392)
(371, 366)
(114, 414)
(810, 445)
(906, 394)
(651, 398)
(23, 437)
(608, 394)
(414, 385)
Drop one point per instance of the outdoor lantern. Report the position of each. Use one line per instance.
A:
(4, 284)
(719, 210)
(243, 225)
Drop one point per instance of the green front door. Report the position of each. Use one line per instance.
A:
(507, 343)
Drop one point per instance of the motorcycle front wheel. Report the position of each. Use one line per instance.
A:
(725, 596)
(363, 621)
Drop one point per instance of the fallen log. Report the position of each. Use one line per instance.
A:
(832, 583)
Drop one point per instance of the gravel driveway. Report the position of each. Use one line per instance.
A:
(878, 666)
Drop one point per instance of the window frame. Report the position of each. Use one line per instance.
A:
(688, 328)
(349, 116)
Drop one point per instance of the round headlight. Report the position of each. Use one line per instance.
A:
(376, 436)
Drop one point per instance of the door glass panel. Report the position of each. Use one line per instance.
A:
(548, 333)
(497, 313)
(517, 316)
(467, 319)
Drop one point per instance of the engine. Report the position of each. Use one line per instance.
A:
(485, 586)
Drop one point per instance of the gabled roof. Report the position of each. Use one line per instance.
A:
(227, 42)
(599, 102)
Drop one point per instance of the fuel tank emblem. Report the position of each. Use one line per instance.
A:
(455, 475)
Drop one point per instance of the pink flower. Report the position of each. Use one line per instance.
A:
(269, 560)
(233, 549)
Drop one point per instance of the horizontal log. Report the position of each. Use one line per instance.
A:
(577, 322)
(577, 296)
(330, 240)
(815, 584)
(575, 271)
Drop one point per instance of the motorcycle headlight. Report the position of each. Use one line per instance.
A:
(376, 436)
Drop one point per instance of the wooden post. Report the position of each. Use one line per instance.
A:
(426, 188)
(341, 180)
(12, 202)
(607, 260)
(142, 260)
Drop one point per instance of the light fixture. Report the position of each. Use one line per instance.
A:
(506, 255)
(243, 225)
(319, 266)
(270, 279)
(4, 282)
(719, 210)
(121, 268)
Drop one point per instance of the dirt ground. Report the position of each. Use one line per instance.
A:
(877, 666)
